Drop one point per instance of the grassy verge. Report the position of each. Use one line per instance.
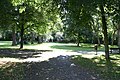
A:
(106, 70)
(11, 71)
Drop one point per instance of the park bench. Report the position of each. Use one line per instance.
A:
(114, 50)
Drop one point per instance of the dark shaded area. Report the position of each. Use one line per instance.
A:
(108, 70)
(12, 71)
(60, 68)
(22, 54)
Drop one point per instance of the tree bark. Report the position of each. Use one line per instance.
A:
(113, 36)
(119, 35)
(21, 35)
(39, 39)
(98, 40)
(104, 27)
(32, 38)
(22, 30)
(14, 37)
(78, 40)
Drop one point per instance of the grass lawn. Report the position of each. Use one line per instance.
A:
(8, 45)
(60, 46)
(73, 47)
(5, 44)
(107, 70)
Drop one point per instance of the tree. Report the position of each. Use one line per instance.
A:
(104, 27)
(96, 27)
(116, 17)
(78, 13)
(75, 16)
(7, 17)
(27, 11)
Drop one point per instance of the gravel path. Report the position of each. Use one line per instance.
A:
(60, 68)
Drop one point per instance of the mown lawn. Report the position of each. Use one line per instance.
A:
(107, 70)
(73, 47)
(60, 46)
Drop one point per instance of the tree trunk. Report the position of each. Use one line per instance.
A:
(119, 35)
(113, 36)
(21, 35)
(78, 40)
(98, 40)
(39, 40)
(14, 37)
(104, 27)
(32, 38)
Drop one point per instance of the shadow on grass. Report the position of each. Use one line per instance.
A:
(58, 68)
(21, 54)
(12, 71)
(15, 70)
(107, 70)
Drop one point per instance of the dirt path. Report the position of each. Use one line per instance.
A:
(50, 65)
(60, 68)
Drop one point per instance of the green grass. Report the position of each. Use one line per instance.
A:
(107, 70)
(73, 47)
(62, 46)
(8, 44)
(5, 44)
(12, 71)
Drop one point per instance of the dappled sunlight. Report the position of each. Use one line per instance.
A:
(46, 46)
(91, 54)
(43, 52)
(115, 58)
(3, 43)
(109, 70)
(43, 46)
(42, 56)
(5, 59)
(56, 68)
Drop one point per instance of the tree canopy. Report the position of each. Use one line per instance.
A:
(80, 20)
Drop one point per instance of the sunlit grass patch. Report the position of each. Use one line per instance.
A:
(61, 46)
(5, 44)
(74, 47)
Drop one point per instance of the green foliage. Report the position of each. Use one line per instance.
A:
(5, 13)
(76, 18)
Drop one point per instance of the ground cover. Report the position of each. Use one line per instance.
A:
(97, 67)
(108, 70)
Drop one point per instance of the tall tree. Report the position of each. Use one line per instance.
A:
(75, 16)
(80, 12)
(104, 27)
(27, 11)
